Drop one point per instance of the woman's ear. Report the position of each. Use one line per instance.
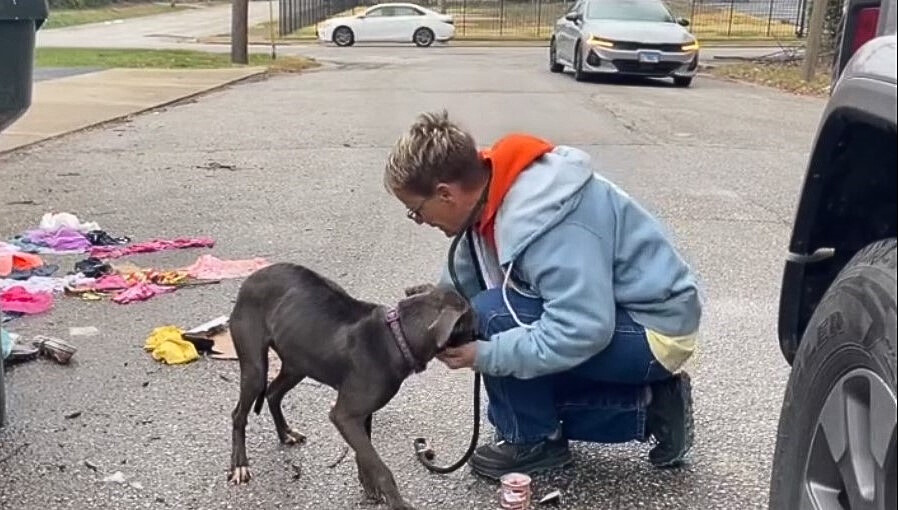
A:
(445, 192)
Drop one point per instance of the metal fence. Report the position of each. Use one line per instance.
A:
(294, 15)
(534, 19)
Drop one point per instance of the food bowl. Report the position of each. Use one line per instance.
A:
(55, 349)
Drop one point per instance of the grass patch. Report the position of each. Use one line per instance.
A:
(162, 59)
(720, 25)
(69, 17)
(787, 77)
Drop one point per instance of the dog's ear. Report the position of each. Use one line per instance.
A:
(431, 318)
(441, 328)
(419, 289)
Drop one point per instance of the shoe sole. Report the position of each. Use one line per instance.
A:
(686, 381)
(536, 467)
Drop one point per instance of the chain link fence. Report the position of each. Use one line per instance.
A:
(535, 19)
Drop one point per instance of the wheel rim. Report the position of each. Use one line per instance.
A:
(342, 36)
(422, 37)
(851, 464)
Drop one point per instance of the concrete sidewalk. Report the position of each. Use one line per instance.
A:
(72, 103)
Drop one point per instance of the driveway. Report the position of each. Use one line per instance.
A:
(720, 164)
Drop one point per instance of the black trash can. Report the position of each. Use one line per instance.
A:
(19, 20)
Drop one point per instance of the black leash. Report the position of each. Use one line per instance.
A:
(423, 450)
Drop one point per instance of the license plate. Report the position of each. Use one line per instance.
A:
(649, 57)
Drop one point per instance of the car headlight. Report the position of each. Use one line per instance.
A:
(693, 46)
(598, 41)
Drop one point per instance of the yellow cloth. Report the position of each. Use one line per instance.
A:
(166, 345)
(671, 351)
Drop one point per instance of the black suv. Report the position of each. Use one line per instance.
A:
(836, 444)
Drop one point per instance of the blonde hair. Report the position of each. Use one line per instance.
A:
(433, 150)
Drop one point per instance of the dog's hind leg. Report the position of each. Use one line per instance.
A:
(285, 381)
(253, 378)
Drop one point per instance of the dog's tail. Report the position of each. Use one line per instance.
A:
(261, 398)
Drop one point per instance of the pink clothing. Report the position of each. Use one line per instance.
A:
(110, 282)
(141, 292)
(18, 299)
(114, 252)
(208, 267)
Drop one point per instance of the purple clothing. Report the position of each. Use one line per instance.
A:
(61, 239)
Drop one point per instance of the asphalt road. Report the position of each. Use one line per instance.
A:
(52, 73)
(153, 31)
(720, 163)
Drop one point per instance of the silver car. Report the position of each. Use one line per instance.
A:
(629, 37)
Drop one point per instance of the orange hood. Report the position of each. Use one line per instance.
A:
(508, 157)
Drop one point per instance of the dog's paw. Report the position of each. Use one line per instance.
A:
(372, 495)
(419, 289)
(240, 475)
(402, 505)
(293, 436)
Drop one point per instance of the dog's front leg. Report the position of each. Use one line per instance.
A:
(351, 425)
(370, 489)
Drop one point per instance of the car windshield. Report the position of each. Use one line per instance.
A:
(628, 10)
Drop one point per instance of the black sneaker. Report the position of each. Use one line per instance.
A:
(495, 460)
(670, 420)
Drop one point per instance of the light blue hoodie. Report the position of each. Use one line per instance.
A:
(584, 246)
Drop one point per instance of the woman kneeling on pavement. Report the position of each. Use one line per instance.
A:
(589, 311)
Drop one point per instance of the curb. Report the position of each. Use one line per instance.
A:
(118, 118)
(735, 81)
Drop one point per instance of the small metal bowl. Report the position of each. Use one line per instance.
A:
(54, 348)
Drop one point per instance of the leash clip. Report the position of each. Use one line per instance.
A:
(423, 448)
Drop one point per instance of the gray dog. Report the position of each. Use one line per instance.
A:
(363, 350)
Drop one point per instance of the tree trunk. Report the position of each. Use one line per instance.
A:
(239, 29)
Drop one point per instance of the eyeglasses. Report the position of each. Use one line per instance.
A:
(415, 214)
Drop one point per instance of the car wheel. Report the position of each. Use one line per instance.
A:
(836, 444)
(554, 66)
(343, 36)
(423, 37)
(682, 81)
(579, 75)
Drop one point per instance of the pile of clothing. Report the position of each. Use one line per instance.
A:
(126, 283)
(28, 284)
(64, 233)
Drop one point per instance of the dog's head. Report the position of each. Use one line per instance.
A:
(434, 318)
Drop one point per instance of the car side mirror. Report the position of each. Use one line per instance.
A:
(572, 16)
(683, 22)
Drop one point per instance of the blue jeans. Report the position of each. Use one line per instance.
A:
(602, 400)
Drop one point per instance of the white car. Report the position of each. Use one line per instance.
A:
(389, 22)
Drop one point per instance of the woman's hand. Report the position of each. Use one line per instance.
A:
(459, 357)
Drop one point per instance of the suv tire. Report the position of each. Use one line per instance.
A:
(842, 383)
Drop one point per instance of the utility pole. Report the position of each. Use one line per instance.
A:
(815, 37)
(239, 43)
